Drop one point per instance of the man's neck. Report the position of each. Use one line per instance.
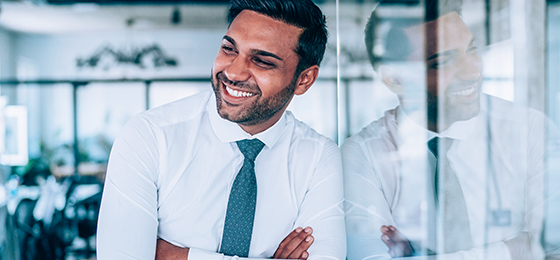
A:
(429, 123)
(254, 129)
(437, 128)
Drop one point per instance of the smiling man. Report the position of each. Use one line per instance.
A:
(450, 171)
(230, 173)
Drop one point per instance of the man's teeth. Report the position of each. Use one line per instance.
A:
(465, 92)
(236, 93)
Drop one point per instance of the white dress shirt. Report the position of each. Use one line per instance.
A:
(170, 174)
(498, 156)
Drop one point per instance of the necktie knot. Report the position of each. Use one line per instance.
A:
(250, 148)
(433, 145)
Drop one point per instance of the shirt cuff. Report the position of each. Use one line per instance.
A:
(199, 254)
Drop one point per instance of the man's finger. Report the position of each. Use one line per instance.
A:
(286, 240)
(402, 242)
(384, 229)
(394, 249)
(295, 242)
(303, 246)
(168, 251)
(396, 235)
(396, 241)
(292, 245)
(388, 241)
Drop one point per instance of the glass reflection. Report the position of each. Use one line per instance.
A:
(451, 171)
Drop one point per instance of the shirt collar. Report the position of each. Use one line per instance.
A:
(228, 131)
(460, 130)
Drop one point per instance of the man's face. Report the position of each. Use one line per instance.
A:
(253, 73)
(452, 67)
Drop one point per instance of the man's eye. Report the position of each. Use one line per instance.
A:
(441, 63)
(227, 49)
(263, 63)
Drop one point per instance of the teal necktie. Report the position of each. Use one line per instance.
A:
(240, 214)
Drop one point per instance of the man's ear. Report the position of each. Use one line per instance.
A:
(306, 79)
(391, 78)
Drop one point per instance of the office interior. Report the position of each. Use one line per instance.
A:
(73, 72)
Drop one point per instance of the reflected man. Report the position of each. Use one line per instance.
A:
(229, 173)
(451, 171)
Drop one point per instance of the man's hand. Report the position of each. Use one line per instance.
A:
(168, 251)
(398, 245)
(295, 245)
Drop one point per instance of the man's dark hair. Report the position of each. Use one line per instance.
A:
(397, 44)
(303, 14)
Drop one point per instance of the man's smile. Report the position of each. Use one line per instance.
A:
(464, 92)
(237, 93)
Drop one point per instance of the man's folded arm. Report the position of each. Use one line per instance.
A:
(294, 246)
(127, 226)
(322, 207)
(364, 193)
(366, 206)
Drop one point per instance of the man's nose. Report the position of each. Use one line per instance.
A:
(470, 67)
(238, 70)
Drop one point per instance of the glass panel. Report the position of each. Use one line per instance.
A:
(551, 239)
(165, 92)
(103, 109)
(317, 107)
(49, 116)
(450, 149)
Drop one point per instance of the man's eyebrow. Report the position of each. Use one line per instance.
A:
(266, 53)
(449, 52)
(229, 39)
(443, 53)
(256, 51)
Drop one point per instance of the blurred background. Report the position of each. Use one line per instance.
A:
(73, 72)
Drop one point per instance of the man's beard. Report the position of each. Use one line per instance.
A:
(451, 112)
(261, 109)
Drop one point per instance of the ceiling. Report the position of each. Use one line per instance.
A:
(38, 16)
(135, 2)
(30, 17)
